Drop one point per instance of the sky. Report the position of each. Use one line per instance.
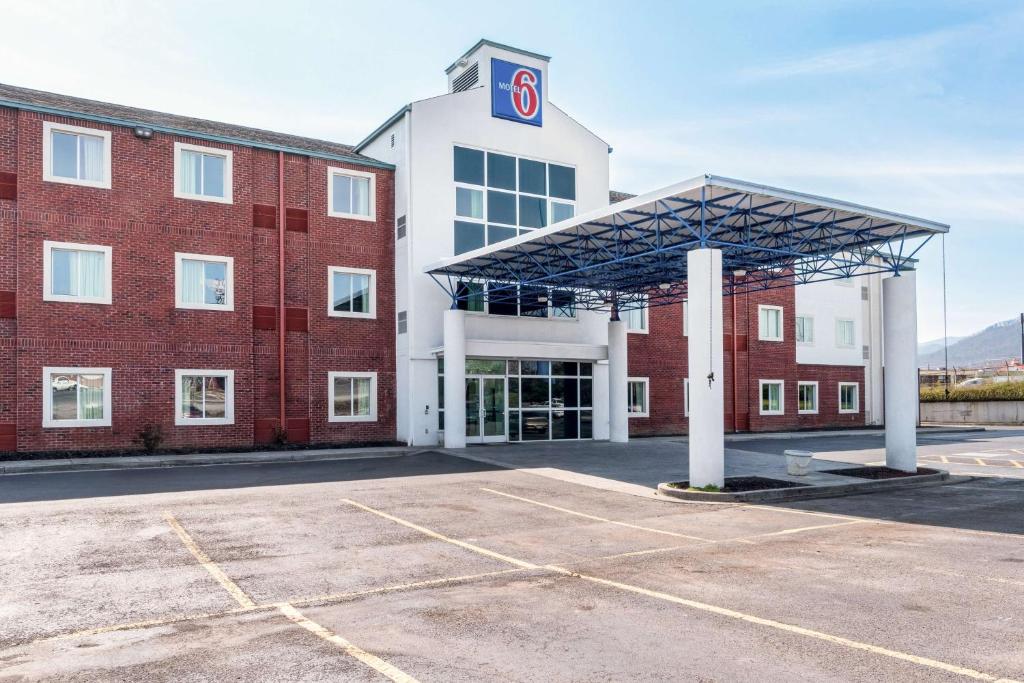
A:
(914, 107)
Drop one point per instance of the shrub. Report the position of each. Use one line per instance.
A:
(1003, 391)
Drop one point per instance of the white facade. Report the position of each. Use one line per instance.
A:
(420, 142)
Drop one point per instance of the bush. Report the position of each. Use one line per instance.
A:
(1004, 391)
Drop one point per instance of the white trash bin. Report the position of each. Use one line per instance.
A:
(798, 463)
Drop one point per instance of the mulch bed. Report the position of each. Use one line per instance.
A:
(878, 472)
(742, 484)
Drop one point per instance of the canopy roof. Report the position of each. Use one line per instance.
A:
(635, 250)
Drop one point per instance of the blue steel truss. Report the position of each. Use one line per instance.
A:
(636, 254)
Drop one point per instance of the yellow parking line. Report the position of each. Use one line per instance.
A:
(350, 649)
(981, 462)
(702, 606)
(944, 460)
(1016, 463)
(599, 519)
(216, 572)
(441, 537)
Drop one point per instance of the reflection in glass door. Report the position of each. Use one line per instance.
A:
(485, 409)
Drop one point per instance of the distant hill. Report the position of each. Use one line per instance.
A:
(993, 344)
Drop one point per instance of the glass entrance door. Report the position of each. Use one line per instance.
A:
(485, 409)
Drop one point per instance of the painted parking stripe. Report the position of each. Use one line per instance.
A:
(598, 519)
(389, 670)
(702, 606)
(209, 565)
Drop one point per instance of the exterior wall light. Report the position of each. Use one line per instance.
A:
(143, 133)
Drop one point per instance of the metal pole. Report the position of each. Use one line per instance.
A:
(1022, 338)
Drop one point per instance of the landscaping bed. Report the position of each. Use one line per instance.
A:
(879, 472)
(740, 485)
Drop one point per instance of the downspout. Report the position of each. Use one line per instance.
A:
(735, 373)
(280, 288)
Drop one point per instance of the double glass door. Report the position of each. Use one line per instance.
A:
(485, 409)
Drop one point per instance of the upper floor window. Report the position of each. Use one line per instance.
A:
(498, 196)
(528, 301)
(352, 292)
(844, 334)
(204, 397)
(76, 397)
(78, 273)
(769, 323)
(351, 194)
(204, 282)
(76, 155)
(636, 317)
(202, 173)
(804, 329)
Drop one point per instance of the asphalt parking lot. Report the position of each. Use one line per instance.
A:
(434, 567)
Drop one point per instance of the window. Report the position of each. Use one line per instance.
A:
(636, 400)
(807, 398)
(772, 397)
(202, 173)
(849, 397)
(527, 301)
(498, 196)
(686, 318)
(352, 396)
(769, 323)
(636, 317)
(352, 292)
(76, 272)
(204, 282)
(76, 397)
(351, 194)
(686, 397)
(204, 397)
(76, 155)
(804, 329)
(844, 334)
(546, 399)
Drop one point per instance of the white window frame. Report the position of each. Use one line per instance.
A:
(229, 398)
(856, 396)
(647, 396)
(48, 294)
(50, 423)
(817, 398)
(853, 333)
(229, 293)
(782, 396)
(49, 127)
(331, 270)
(686, 397)
(796, 328)
(371, 204)
(228, 155)
(646, 329)
(686, 317)
(372, 417)
(761, 334)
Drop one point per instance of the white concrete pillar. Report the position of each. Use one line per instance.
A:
(707, 406)
(454, 379)
(899, 353)
(618, 382)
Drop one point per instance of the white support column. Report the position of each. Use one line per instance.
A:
(454, 379)
(618, 380)
(899, 349)
(707, 407)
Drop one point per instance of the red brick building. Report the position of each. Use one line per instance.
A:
(139, 282)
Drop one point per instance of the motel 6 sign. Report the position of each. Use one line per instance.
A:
(516, 92)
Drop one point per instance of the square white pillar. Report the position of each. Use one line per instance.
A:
(899, 355)
(618, 382)
(454, 379)
(707, 404)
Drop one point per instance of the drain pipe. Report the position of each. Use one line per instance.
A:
(280, 288)
(735, 348)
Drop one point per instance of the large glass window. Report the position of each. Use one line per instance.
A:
(352, 293)
(202, 173)
(498, 196)
(529, 301)
(204, 282)
(550, 400)
(76, 397)
(79, 273)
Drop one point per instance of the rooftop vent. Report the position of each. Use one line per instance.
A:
(467, 79)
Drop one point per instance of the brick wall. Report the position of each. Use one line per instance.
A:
(143, 337)
(661, 356)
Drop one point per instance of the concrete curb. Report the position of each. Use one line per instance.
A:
(807, 492)
(201, 459)
(923, 431)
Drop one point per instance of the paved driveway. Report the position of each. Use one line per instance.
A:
(434, 567)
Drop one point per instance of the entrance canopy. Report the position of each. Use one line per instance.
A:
(634, 251)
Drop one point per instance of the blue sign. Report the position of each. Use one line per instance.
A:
(516, 92)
